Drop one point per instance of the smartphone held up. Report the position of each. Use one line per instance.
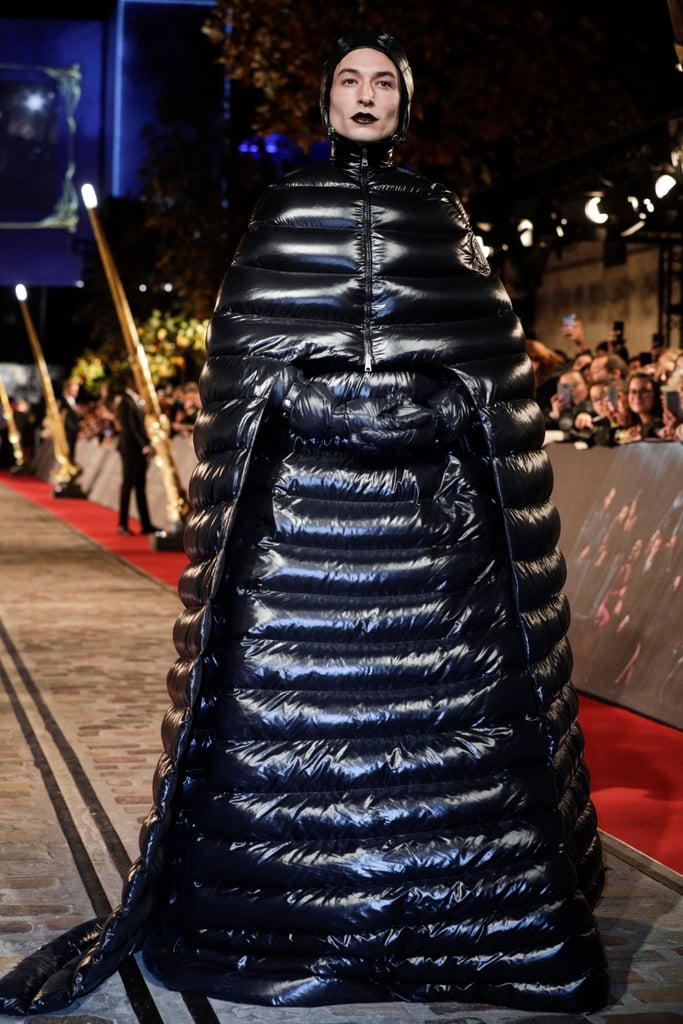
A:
(673, 403)
(564, 390)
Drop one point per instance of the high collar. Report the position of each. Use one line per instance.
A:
(345, 153)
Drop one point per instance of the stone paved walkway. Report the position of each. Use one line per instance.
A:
(85, 644)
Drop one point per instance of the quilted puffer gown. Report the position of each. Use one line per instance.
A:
(382, 793)
(373, 785)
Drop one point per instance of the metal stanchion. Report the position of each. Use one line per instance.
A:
(64, 476)
(13, 435)
(157, 424)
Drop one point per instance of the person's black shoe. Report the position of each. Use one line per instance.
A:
(151, 529)
(124, 529)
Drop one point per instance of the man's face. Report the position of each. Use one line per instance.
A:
(582, 363)
(598, 367)
(365, 96)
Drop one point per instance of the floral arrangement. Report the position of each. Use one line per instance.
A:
(174, 346)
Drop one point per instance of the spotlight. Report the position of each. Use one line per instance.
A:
(594, 211)
(664, 184)
(525, 229)
(621, 209)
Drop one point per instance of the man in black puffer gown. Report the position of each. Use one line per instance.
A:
(373, 784)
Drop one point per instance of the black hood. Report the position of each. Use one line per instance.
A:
(374, 41)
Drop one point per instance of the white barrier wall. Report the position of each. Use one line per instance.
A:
(622, 537)
(100, 479)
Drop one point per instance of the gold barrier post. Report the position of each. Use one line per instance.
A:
(158, 427)
(66, 472)
(13, 435)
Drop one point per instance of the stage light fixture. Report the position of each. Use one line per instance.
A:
(594, 211)
(525, 229)
(664, 183)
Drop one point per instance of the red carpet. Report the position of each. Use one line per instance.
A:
(100, 524)
(635, 764)
(637, 779)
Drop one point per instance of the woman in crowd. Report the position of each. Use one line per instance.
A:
(608, 398)
(569, 401)
(645, 406)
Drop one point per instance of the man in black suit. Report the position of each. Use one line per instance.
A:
(70, 413)
(134, 447)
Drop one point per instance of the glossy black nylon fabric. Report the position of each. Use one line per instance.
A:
(373, 784)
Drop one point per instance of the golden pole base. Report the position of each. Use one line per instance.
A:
(67, 489)
(63, 480)
(168, 540)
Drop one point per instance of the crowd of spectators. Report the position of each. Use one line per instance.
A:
(178, 403)
(94, 418)
(604, 394)
(608, 394)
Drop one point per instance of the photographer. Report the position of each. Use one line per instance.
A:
(610, 403)
(570, 399)
(573, 337)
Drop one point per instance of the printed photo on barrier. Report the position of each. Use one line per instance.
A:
(622, 523)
